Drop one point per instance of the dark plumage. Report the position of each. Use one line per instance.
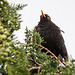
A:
(52, 36)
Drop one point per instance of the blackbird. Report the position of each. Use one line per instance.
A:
(52, 36)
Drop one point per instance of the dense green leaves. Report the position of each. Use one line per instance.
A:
(9, 17)
(10, 60)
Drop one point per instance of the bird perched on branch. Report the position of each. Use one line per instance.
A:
(52, 36)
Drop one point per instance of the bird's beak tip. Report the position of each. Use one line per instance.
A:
(43, 15)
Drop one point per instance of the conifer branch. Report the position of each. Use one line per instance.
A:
(32, 67)
(52, 55)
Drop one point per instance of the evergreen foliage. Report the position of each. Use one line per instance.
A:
(11, 56)
(25, 58)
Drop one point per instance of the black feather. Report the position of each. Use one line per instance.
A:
(52, 36)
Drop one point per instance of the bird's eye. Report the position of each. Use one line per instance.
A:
(48, 18)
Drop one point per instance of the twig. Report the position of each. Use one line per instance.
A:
(32, 67)
(48, 51)
(34, 61)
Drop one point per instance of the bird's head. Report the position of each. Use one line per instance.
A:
(44, 17)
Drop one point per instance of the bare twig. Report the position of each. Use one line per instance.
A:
(32, 67)
(34, 61)
(48, 51)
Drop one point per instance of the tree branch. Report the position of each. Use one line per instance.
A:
(53, 55)
(32, 67)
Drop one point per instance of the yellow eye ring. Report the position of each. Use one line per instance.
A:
(48, 18)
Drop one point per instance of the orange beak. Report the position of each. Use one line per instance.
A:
(43, 15)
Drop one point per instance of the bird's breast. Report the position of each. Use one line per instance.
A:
(46, 32)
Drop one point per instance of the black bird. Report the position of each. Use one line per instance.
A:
(52, 36)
